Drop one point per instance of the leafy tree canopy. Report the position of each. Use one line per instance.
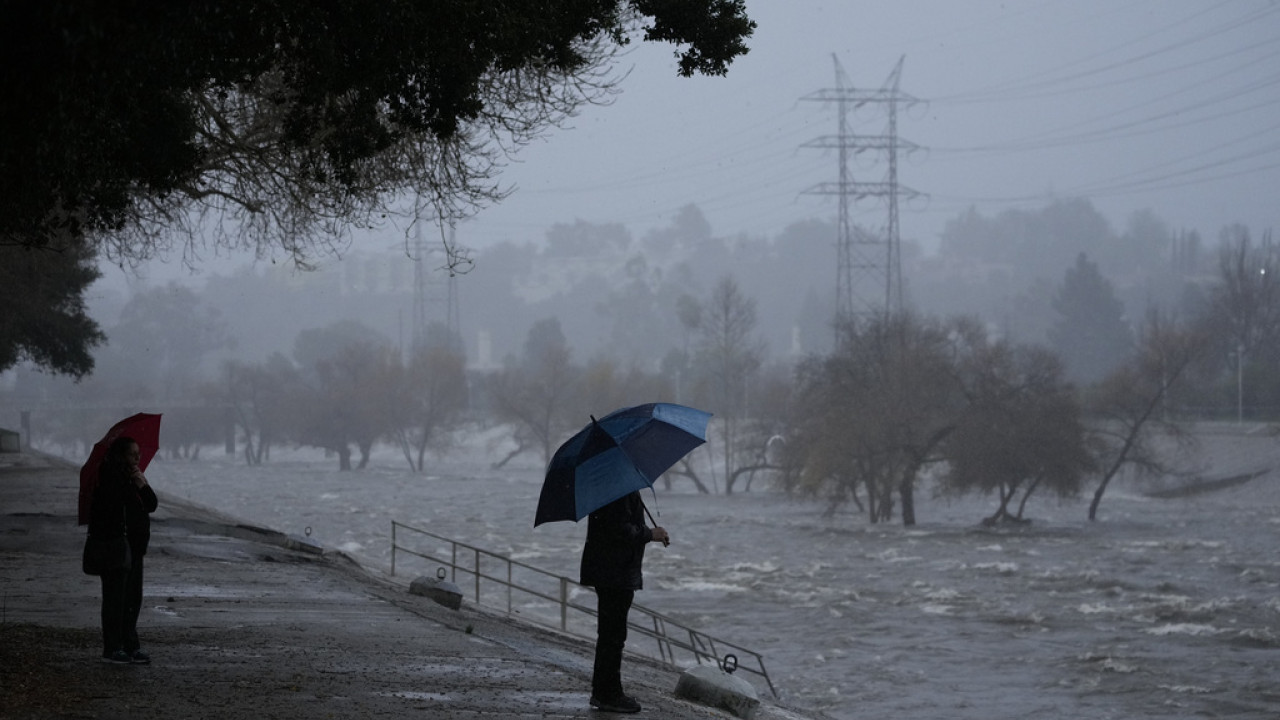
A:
(123, 121)
(125, 124)
(43, 318)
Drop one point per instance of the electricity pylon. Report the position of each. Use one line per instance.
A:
(868, 265)
(428, 294)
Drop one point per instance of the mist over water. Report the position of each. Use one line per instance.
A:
(1163, 608)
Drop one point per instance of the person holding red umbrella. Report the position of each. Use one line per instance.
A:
(121, 510)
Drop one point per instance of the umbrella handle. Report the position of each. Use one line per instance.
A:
(665, 543)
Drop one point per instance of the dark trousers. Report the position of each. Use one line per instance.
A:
(121, 603)
(612, 606)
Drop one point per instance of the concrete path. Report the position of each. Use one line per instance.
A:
(240, 625)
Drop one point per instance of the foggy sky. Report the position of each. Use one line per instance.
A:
(1163, 104)
(1169, 105)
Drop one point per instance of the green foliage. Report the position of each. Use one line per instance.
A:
(42, 312)
(127, 112)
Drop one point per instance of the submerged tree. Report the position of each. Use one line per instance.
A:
(260, 397)
(340, 402)
(426, 395)
(1020, 429)
(1127, 410)
(873, 413)
(726, 356)
(535, 393)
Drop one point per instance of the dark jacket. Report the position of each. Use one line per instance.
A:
(120, 508)
(616, 536)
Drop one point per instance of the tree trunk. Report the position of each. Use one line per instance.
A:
(403, 441)
(365, 448)
(907, 490)
(498, 465)
(1022, 504)
(687, 471)
(344, 458)
(1097, 495)
(1002, 511)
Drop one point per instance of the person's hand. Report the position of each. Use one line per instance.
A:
(660, 535)
(138, 478)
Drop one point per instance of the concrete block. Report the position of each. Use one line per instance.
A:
(304, 544)
(438, 589)
(716, 688)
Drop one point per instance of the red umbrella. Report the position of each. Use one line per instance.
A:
(144, 428)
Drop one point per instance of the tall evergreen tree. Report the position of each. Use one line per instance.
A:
(1091, 334)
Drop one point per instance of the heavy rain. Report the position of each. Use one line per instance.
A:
(982, 296)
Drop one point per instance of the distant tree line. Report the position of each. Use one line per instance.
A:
(958, 404)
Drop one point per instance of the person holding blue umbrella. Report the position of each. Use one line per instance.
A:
(598, 473)
(611, 564)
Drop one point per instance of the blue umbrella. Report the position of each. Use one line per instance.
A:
(616, 455)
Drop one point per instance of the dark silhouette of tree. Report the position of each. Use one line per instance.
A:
(164, 339)
(345, 368)
(44, 319)
(1020, 427)
(262, 397)
(1091, 335)
(425, 396)
(536, 393)
(132, 116)
(726, 356)
(1243, 313)
(874, 412)
(130, 126)
(1127, 411)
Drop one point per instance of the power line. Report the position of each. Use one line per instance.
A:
(868, 266)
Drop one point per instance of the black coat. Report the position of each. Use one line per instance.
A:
(121, 508)
(616, 536)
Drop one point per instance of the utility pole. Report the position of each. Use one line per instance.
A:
(868, 264)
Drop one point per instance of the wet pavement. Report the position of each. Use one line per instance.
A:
(239, 620)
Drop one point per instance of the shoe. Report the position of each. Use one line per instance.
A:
(619, 704)
(140, 658)
(119, 656)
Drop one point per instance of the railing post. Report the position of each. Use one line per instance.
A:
(564, 603)
(702, 646)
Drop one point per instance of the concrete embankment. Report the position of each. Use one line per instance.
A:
(239, 623)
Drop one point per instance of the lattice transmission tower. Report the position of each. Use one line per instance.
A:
(868, 264)
(435, 296)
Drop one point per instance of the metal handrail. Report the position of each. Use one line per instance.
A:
(667, 632)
